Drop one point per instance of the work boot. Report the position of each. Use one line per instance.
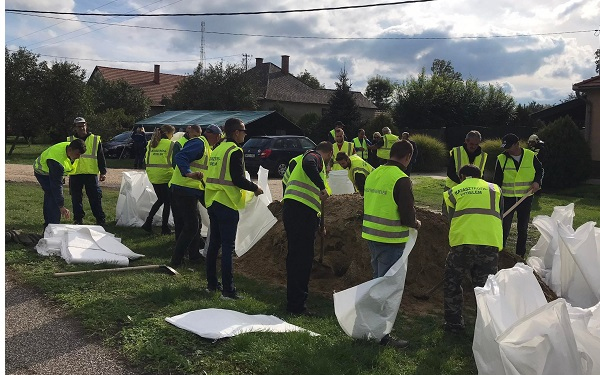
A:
(454, 327)
(165, 230)
(147, 226)
(390, 341)
(78, 221)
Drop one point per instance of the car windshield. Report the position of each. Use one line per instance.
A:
(121, 137)
(256, 143)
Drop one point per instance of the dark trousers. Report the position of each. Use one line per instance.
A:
(187, 227)
(301, 224)
(51, 208)
(478, 261)
(163, 195)
(223, 229)
(139, 151)
(92, 190)
(523, 211)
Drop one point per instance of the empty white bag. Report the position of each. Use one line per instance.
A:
(340, 183)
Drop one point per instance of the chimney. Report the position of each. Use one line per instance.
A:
(285, 64)
(156, 74)
(259, 61)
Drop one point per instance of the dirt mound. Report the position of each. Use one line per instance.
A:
(346, 260)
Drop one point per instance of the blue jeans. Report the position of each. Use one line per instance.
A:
(223, 229)
(51, 208)
(384, 256)
(92, 189)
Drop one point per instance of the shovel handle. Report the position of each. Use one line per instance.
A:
(529, 192)
(321, 226)
(122, 269)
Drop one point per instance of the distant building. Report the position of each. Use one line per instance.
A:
(589, 91)
(154, 84)
(276, 86)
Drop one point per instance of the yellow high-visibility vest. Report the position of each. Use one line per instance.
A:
(347, 147)
(517, 183)
(364, 154)
(384, 151)
(58, 153)
(286, 176)
(159, 161)
(358, 165)
(461, 158)
(475, 208)
(199, 165)
(381, 220)
(300, 187)
(88, 162)
(219, 185)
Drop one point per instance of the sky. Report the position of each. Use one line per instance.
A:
(535, 52)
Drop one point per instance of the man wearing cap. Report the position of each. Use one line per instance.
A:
(519, 173)
(85, 174)
(468, 153)
(49, 169)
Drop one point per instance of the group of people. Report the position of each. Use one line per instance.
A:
(208, 168)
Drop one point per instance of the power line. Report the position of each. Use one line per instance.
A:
(520, 35)
(221, 13)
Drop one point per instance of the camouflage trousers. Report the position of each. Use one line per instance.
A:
(478, 261)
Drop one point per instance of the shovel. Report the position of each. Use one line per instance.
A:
(529, 192)
(321, 227)
(159, 268)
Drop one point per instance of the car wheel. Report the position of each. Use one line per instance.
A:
(281, 168)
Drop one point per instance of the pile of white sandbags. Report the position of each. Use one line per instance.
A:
(78, 244)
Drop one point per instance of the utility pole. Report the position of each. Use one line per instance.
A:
(202, 56)
(245, 55)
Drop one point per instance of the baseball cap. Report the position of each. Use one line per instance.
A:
(534, 138)
(212, 128)
(509, 140)
(78, 120)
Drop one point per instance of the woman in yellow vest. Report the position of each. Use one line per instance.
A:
(226, 187)
(159, 160)
(475, 238)
(519, 173)
(49, 169)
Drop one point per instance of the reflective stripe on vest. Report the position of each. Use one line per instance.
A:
(87, 162)
(159, 161)
(517, 183)
(381, 221)
(474, 206)
(347, 148)
(300, 187)
(358, 165)
(461, 158)
(357, 144)
(288, 172)
(384, 151)
(219, 185)
(58, 153)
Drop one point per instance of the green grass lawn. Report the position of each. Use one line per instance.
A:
(127, 311)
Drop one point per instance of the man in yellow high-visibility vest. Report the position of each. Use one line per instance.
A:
(49, 169)
(89, 169)
(474, 212)
(518, 172)
(361, 144)
(340, 145)
(358, 170)
(389, 212)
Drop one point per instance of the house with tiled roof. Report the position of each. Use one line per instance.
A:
(276, 86)
(155, 85)
(589, 91)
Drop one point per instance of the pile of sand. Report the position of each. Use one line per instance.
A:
(346, 260)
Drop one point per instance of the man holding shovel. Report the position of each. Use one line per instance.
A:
(474, 212)
(519, 173)
(302, 201)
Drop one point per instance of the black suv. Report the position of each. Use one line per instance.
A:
(274, 152)
(121, 146)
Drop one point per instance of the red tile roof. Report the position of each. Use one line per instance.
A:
(143, 80)
(590, 83)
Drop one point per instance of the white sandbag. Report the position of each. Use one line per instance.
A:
(340, 183)
(177, 136)
(580, 265)
(505, 298)
(255, 222)
(368, 310)
(57, 230)
(586, 328)
(263, 182)
(76, 249)
(219, 323)
(136, 197)
(542, 343)
(49, 246)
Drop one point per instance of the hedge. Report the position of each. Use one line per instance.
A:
(433, 154)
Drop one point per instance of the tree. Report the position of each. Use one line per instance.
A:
(23, 79)
(309, 123)
(445, 69)
(113, 95)
(216, 88)
(310, 80)
(597, 59)
(523, 114)
(342, 107)
(379, 91)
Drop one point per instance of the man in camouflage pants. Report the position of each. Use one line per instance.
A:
(474, 212)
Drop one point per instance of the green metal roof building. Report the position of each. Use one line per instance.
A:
(257, 122)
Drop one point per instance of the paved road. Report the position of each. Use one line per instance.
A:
(42, 339)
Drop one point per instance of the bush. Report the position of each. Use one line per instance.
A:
(493, 148)
(433, 155)
(379, 122)
(567, 154)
